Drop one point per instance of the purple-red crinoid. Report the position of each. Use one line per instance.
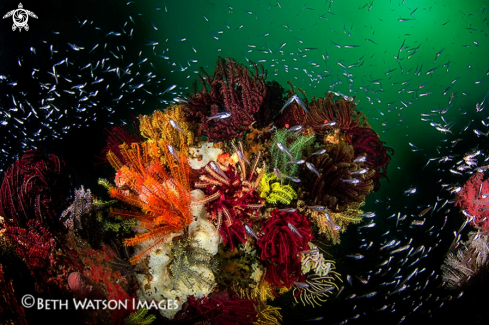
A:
(284, 236)
(231, 89)
(34, 187)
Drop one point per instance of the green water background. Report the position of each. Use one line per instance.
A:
(258, 30)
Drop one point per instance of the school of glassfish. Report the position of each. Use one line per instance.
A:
(396, 243)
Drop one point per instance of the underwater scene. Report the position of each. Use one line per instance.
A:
(244, 162)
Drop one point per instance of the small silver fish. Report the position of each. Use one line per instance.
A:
(359, 172)
(251, 232)
(301, 284)
(215, 167)
(288, 210)
(319, 152)
(299, 101)
(368, 295)
(410, 191)
(219, 116)
(316, 207)
(332, 123)
(370, 225)
(296, 162)
(351, 181)
(367, 215)
(309, 251)
(296, 128)
(332, 223)
(294, 230)
(312, 169)
(282, 148)
(175, 126)
(240, 155)
(293, 179)
(279, 175)
(356, 256)
(173, 152)
(360, 159)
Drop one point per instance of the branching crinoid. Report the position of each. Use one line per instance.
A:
(296, 144)
(84, 216)
(160, 190)
(341, 111)
(233, 89)
(231, 196)
(337, 187)
(158, 126)
(192, 265)
(341, 219)
(466, 261)
(82, 205)
(317, 288)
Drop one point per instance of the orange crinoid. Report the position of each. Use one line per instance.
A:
(157, 182)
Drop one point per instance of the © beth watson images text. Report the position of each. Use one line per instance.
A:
(96, 304)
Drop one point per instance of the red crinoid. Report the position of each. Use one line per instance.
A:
(231, 196)
(34, 187)
(285, 234)
(233, 89)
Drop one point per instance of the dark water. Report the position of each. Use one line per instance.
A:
(437, 51)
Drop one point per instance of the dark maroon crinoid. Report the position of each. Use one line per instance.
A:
(232, 89)
(341, 111)
(280, 246)
(272, 103)
(366, 142)
(34, 187)
(336, 187)
(118, 135)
